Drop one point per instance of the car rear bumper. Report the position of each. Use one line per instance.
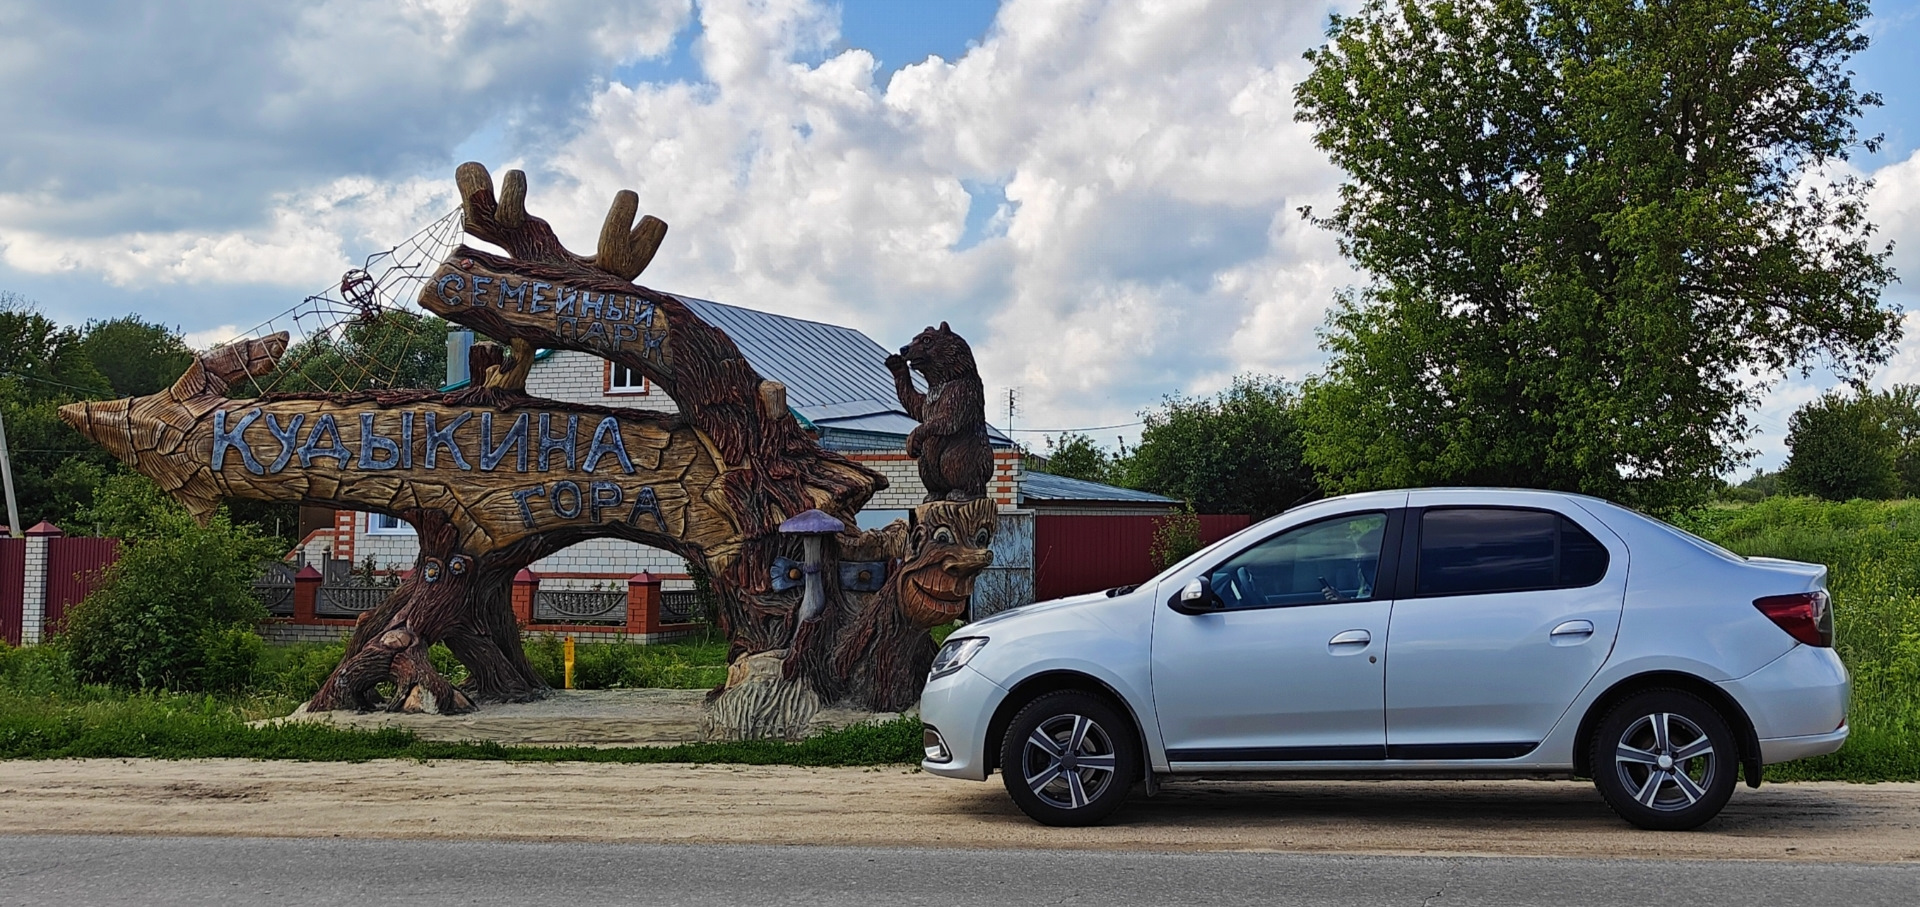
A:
(1782, 749)
(1801, 694)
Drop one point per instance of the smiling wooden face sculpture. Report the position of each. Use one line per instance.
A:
(947, 549)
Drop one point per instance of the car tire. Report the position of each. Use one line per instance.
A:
(1664, 760)
(1069, 758)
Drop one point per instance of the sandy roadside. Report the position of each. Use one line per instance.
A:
(901, 807)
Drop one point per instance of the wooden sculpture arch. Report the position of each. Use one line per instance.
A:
(493, 479)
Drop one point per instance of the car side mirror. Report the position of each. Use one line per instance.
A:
(1197, 597)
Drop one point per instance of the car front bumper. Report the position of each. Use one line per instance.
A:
(960, 706)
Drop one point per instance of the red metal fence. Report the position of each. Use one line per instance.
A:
(13, 588)
(1073, 554)
(74, 567)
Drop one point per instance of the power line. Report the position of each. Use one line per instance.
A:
(1088, 428)
(25, 376)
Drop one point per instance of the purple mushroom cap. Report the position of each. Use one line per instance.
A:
(814, 522)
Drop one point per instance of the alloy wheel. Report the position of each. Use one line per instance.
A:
(1068, 761)
(1666, 761)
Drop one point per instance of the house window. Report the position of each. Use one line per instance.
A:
(623, 379)
(387, 524)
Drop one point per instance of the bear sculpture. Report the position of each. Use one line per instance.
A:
(950, 443)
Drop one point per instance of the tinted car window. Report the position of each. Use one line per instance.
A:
(1583, 560)
(1328, 561)
(1469, 551)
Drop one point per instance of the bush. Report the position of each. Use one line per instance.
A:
(608, 666)
(177, 612)
(1175, 537)
(35, 670)
(1872, 552)
(296, 671)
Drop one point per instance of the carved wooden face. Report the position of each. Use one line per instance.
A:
(947, 548)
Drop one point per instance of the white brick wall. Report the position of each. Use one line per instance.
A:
(281, 634)
(575, 377)
(617, 558)
(903, 489)
(607, 556)
(318, 548)
(33, 615)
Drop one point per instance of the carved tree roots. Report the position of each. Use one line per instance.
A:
(448, 599)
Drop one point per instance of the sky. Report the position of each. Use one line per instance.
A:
(1101, 195)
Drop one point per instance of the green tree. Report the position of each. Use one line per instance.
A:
(1237, 452)
(1900, 406)
(1588, 226)
(393, 349)
(1075, 456)
(135, 356)
(1864, 445)
(43, 365)
(1758, 487)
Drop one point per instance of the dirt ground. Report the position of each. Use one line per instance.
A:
(902, 807)
(574, 718)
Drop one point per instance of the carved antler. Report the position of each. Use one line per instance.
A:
(625, 248)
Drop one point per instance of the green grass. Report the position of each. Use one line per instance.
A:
(47, 713)
(296, 671)
(1872, 549)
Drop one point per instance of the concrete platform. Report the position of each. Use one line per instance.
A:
(574, 718)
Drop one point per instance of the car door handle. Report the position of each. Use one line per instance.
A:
(1350, 638)
(1573, 631)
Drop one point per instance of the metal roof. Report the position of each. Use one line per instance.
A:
(821, 364)
(836, 377)
(1040, 486)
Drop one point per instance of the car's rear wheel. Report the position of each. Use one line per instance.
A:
(1069, 758)
(1664, 760)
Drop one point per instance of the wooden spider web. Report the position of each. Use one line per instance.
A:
(358, 334)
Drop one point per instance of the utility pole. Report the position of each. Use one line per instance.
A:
(1012, 398)
(6, 481)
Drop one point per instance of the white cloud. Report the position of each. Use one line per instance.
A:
(1150, 164)
(212, 337)
(306, 241)
(131, 115)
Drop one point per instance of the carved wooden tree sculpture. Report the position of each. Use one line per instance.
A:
(493, 479)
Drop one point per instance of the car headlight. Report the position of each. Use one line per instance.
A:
(955, 654)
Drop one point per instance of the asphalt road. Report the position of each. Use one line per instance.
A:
(112, 870)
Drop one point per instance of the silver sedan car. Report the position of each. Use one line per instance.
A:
(1438, 632)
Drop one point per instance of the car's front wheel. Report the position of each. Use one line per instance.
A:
(1069, 758)
(1664, 760)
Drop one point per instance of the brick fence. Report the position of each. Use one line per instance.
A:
(44, 574)
(645, 618)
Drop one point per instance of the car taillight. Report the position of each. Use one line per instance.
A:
(1806, 616)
